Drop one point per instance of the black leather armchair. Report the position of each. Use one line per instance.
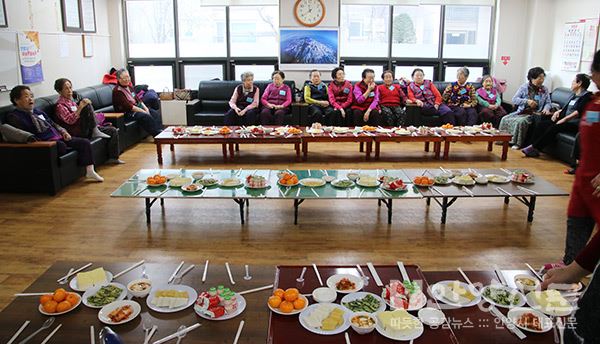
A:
(563, 145)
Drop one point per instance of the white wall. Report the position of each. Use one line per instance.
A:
(45, 16)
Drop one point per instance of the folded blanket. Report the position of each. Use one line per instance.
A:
(15, 135)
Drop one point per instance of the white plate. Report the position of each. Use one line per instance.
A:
(207, 185)
(180, 181)
(93, 290)
(384, 130)
(315, 131)
(340, 329)
(335, 183)
(515, 313)
(414, 308)
(192, 297)
(524, 183)
(513, 293)
(295, 311)
(359, 182)
(287, 185)
(257, 187)
(435, 291)
(241, 306)
(409, 335)
(240, 183)
(200, 187)
(497, 179)
(341, 130)
(561, 312)
(402, 132)
(431, 316)
(73, 283)
(209, 132)
(383, 186)
(317, 181)
(41, 308)
(461, 182)
(333, 280)
(360, 295)
(106, 310)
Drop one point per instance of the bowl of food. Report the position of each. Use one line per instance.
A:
(140, 287)
(324, 295)
(353, 176)
(431, 316)
(526, 283)
(328, 179)
(363, 322)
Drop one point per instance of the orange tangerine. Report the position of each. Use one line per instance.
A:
(45, 298)
(63, 306)
(72, 298)
(291, 295)
(286, 307)
(274, 301)
(299, 303)
(50, 306)
(59, 295)
(279, 292)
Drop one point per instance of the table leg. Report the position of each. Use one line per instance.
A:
(361, 147)
(297, 203)
(379, 202)
(377, 149)
(231, 151)
(444, 209)
(237, 147)
(446, 149)
(297, 147)
(531, 209)
(241, 203)
(369, 149)
(248, 202)
(506, 200)
(389, 206)
(224, 146)
(172, 147)
(437, 147)
(148, 205)
(427, 146)
(162, 202)
(428, 201)
(490, 146)
(304, 150)
(504, 150)
(159, 153)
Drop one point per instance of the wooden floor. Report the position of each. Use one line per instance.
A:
(83, 223)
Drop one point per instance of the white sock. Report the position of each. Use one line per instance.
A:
(92, 174)
(97, 133)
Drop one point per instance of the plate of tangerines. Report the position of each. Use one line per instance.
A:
(59, 302)
(287, 302)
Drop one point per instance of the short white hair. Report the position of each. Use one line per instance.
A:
(246, 75)
(464, 71)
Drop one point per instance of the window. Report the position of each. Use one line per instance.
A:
(201, 30)
(364, 31)
(406, 71)
(474, 73)
(158, 78)
(261, 72)
(150, 28)
(416, 31)
(254, 30)
(354, 72)
(467, 32)
(196, 73)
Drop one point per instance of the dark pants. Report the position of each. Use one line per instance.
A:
(392, 116)
(82, 146)
(579, 230)
(147, 121)
(445, 113)
(232, 118)
(492, 116)
(87, 121)
(338, 120)
(358, 116)
(545, 132)
(320, 114)
(113, 141)
(464, 116)
(587, 317)
(272, 116)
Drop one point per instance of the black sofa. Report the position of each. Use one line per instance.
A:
(213, 101)
(563, 145)
(37, 167)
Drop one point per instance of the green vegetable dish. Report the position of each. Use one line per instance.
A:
(207, 181)
(501, 296)
(105, 295)
(367, 304)
(342, 183)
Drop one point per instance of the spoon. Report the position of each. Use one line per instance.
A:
(144, 275)
(64, 281)
(46, 325)
(181, 335)
(146, 325)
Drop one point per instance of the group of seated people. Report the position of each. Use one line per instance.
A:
(75, 123)
(365, 103)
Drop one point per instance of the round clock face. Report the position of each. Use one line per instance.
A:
(309, 12)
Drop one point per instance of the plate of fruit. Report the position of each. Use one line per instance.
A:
(219, 304)
(254, 181)
(225, 131)
(393, 184)
(287, 179)
(156, 180)
(59, 302)
(522, 177)
(423, 181)
(288, 302)
(404, 295)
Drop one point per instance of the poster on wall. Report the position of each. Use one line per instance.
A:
(590, 39)
(572, 46)
(30, 56)
(305, 49)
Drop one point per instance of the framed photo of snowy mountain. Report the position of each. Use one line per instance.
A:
(304, 49)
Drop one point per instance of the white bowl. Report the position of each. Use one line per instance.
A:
(352, 176)
(527, 288)
(363, 330)
(328, 179)
(431, 316)
(142, 293)
(324, 295)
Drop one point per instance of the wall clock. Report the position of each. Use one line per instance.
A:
(309, 12)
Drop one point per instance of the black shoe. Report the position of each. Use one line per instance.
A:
(571, 170)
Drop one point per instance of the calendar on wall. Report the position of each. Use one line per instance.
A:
(572, 46)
